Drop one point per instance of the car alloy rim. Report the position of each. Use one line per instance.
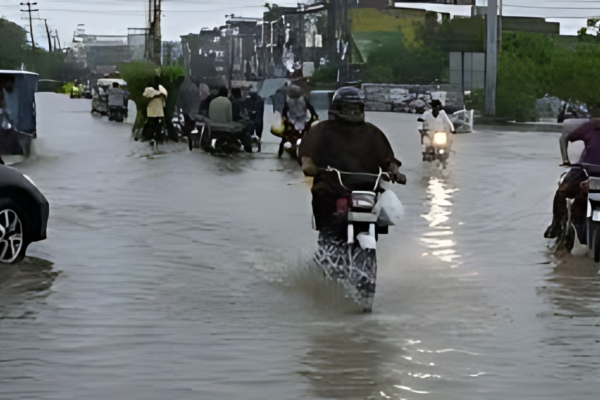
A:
(11, 236)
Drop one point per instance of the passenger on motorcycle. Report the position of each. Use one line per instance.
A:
(296, 108)
(348, 143)
(220, 109)
(434, 121)
(117, 97)
(570, 186)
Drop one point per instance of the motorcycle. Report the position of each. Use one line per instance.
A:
(290, 137)
(116, 113)
(435, 147)
(580, 233)
(347, 250)
(223, 138)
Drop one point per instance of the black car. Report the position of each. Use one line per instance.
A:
(24, 215)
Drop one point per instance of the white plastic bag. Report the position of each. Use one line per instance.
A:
(389, 209)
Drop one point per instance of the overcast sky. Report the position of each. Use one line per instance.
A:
(113, 17)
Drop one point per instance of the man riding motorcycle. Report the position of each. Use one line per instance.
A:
(294, 115)
(434, 121)
(348, 143)
(117, 99)
(571, 184)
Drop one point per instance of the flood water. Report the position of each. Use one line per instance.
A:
(185, 276)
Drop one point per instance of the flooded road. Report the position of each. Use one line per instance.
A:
(180, 275)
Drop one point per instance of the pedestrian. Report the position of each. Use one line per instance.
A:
(155, 112)
(188, 101)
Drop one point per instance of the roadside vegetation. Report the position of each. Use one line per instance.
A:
(141, 74)
(15, 51)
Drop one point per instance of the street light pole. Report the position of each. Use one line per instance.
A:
(491, 49)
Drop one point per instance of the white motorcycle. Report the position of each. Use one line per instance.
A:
(435, 146)
(348, 251)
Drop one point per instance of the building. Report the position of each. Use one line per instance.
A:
(93, 51)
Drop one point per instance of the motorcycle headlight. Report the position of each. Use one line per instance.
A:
(363, 200)
(440, 138)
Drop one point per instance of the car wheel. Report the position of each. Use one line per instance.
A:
(12, 233)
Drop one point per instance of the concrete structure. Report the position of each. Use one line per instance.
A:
(411, 98)
(93, 51)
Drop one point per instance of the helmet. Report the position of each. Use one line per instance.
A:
(347, 105)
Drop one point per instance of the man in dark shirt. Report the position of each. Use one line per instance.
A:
(570, 186)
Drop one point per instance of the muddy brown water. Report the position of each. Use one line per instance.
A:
(180, 275)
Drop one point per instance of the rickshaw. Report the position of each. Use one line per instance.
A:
(17, 114)
(100, 97)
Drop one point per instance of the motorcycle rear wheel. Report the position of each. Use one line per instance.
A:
(353, 267)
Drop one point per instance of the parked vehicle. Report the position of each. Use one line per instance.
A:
(24, 215)
(348, 250)
(49, 85)
(18, 125)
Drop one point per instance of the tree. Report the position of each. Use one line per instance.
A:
(13, 45)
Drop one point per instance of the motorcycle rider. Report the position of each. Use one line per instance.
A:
(348, 143)
(296, 108)
(117, 99)
(256, 110)
(570, 186)
(436, 120)
(294, 116)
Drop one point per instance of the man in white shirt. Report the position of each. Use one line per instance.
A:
(434, 121)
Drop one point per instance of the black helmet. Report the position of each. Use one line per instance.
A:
(348, 105)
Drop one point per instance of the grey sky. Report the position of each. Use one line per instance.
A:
(184, 16)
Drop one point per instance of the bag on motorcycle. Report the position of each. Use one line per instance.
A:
(278, 129)
(389, 209)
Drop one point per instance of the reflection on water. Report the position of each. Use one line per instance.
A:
(440, 238)
(573, 287)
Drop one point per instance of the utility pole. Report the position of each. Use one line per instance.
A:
(57, 40)
(48, 33)
(153, 40)
(157, 33)
(29, 10)
(491, 50)
(232, 52)
(500, 27)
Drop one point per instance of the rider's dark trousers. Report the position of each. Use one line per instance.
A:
(570, 188)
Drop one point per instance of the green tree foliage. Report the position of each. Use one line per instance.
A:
(141, 74)
(14, 51)
(533, 65)
(13, 44)
(394, 62)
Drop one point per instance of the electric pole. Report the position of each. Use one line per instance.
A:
(57, 40)
(491, 50)
(153, 40)
(48, 33)
(158, 36)
(29, 10)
